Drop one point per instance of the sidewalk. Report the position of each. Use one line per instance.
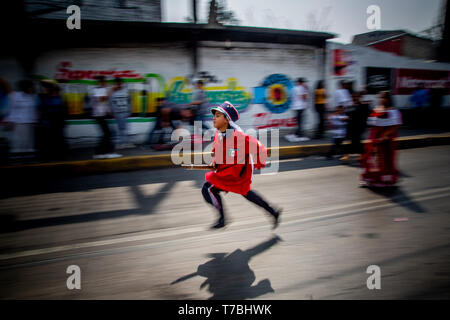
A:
(79, 160)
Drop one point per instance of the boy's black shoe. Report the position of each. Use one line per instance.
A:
(219, 224)
(276, 218)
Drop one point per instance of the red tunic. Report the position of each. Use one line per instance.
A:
(235, 157)
(379, 159)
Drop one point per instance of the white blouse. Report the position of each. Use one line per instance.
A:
(394, 118)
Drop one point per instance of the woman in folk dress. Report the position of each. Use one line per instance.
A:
(379, 159)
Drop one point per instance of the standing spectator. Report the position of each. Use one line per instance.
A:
(299, 104)
(366, 98)
(5, 128)
(5, 91)
(356, 126)
(338, 122)
(320, 100)
(342, 97)
(419, 98)
(163, 120)
(378, 162)
(52, 115)
(23, 116)
(120, 105)
(101, 112)
(200, 104)
(357, 118)
(419, 101)
(435, 116)
(349, 86)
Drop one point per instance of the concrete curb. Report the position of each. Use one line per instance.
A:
(165, 160)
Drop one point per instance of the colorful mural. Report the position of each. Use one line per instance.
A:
(274, 93)
(180, 92)
(144, 89)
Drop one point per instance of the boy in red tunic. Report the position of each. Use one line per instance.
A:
(235, 156)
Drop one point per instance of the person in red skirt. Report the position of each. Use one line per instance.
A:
(236, 154)
(379, 159)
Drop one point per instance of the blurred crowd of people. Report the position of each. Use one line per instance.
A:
(347, 114)
(170, 116)
(36, 121)
(33, 119)
(344, 114)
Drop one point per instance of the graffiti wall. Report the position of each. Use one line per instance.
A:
(268, 72)
(257, 80)
(180, 90)
(256, 77)
(144, 89)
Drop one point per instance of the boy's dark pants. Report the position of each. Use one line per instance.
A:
(212, 196)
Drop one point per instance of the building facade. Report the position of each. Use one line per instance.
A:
(253, 68)
(376, 70)
(399, 42)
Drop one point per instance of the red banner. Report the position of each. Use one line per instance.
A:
(342, 59)
(409, 80)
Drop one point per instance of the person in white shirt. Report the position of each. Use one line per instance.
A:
(342, 97)
(22, 113)
(99, 99)
(338, 121)
(100, 112)
(300, 98)
(120, 105)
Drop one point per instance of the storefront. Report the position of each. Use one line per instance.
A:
(377, 71)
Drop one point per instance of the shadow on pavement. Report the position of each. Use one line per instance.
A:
(399, 197)
(146, 204)
(228, 276)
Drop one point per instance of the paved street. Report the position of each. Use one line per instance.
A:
(144, 235)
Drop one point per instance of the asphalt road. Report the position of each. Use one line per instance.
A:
(145, 235)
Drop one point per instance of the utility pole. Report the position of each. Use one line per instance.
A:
(194, 9)
(193, 42)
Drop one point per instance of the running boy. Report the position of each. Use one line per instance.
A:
(235, 156)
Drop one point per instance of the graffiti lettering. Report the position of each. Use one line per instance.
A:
(64, 73)
(238, 96)
(143, 99)
(263, 120)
